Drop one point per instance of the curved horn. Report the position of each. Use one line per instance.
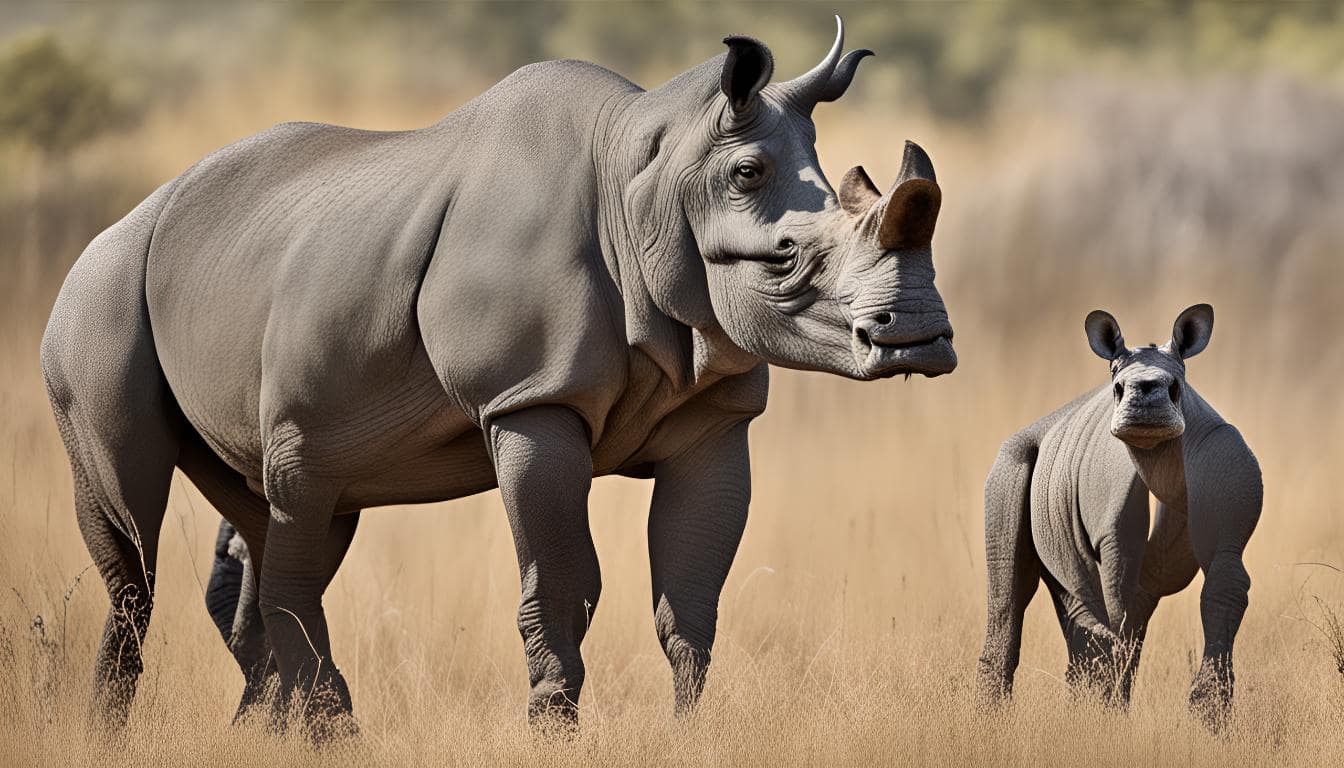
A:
(807, 89)
(843, 75)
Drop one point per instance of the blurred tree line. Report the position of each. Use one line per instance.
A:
(68, 71)
(50, 100)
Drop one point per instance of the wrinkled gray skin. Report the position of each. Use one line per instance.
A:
(567, 277)
(1067, 503)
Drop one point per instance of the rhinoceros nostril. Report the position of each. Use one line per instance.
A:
(863, 337)
(882, 318)
(1119, 390)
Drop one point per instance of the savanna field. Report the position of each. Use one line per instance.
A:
(1135, 179)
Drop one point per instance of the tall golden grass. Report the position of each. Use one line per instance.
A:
(853, 615)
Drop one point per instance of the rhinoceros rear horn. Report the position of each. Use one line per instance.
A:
(912, 206)
(746, 70)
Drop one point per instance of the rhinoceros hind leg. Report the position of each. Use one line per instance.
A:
(231, 596)
(121, 469)
(119, 521)
(1014, 569)
(120, 426)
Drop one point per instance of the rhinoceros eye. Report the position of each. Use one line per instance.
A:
(748, 173)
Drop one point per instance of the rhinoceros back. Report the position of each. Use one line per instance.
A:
(318, 238)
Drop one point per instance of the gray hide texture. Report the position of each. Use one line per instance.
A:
(1067, 502)
(566, 277)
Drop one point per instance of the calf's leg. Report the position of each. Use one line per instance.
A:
(1168, 567)
(1091, 643)
(1121, 553)
(1014, 569)
(1225, 500)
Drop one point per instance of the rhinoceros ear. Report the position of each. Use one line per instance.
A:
(857, 191)
(1191, 332)
(746, 70)
(911, 213)
(1103, 334)
(912, 206)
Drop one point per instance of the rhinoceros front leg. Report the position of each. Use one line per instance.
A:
(1121, 552)
(1222, 603)
(1168, 567)
(699, 511)
(246, 636)
(545, 468)
(1225, 500)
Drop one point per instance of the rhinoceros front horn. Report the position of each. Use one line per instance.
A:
(912, 205)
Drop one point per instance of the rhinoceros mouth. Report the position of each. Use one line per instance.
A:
(1146, 434)
(928, 357)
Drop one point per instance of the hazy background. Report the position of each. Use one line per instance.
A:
(1138, 158)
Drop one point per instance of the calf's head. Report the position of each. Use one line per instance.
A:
(792, 272)
(1147, 382)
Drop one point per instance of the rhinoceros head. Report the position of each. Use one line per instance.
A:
(791, 272)
(1147, 383)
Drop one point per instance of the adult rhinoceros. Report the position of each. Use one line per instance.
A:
(566, 277)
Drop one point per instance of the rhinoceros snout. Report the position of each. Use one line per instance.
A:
(889, 329)
(887, 343)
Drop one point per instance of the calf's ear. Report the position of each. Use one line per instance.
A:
(1103, 334)
(1191, 331)
(746, 70)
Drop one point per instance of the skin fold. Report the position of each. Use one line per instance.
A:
(565, 278)
(1067, 503)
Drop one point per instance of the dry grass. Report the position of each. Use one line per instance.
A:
(853, 615)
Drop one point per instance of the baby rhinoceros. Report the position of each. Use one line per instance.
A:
(1067, 503)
